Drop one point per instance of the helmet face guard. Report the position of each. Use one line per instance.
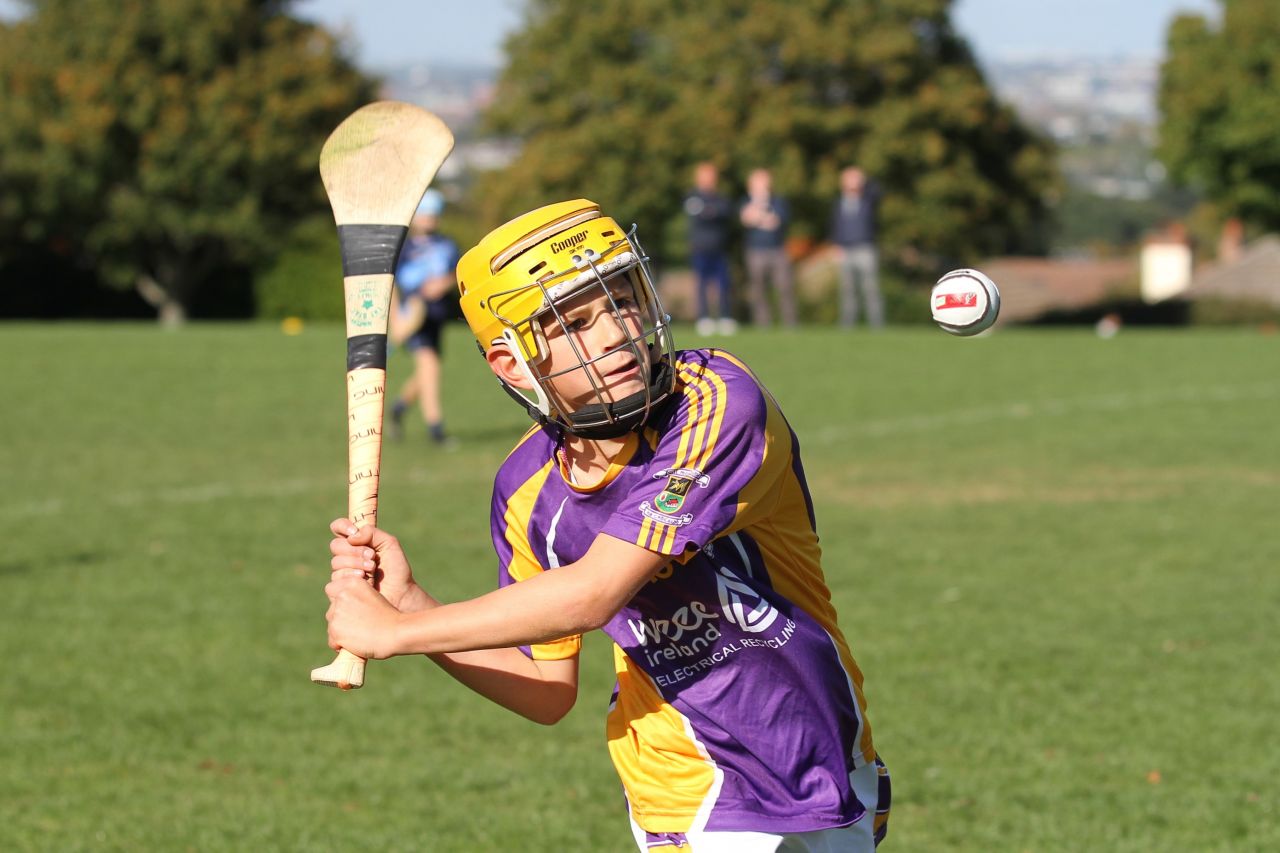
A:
(577, 256)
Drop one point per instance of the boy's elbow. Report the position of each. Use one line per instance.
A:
(554, 707)
(549, 717)
(591, 613)
(586, 610)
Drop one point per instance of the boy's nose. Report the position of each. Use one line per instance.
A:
(614, 330)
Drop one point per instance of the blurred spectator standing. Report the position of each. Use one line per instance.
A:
(765, 217)
(709, 212)
(853, 229)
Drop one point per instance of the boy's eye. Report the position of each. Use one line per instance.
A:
(623, 298)
(576, 324)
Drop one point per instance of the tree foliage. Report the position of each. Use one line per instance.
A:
(1219, 102)
(618, 101)
(162, 140)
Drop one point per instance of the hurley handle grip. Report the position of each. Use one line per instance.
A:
(368, 301)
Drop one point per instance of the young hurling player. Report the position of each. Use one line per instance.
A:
(660, 497)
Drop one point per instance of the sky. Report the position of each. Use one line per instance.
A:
(387, 33)
(393, 32)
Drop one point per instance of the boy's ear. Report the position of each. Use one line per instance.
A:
(503, 363)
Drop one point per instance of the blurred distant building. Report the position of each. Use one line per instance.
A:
(479, 155)
(1073, 97)
(1166, 265)
(1246, 272)
(458, 94)
(1031, 288)
(1101, 112)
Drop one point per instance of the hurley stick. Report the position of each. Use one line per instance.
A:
(376, 165)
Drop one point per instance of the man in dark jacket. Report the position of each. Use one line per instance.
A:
(709, 213)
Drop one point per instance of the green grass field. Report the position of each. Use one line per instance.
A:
(1056, 558)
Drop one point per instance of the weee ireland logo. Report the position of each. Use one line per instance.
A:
(743, 605)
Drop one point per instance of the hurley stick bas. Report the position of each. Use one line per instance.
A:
(375, 166)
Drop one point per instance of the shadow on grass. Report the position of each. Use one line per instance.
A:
(74, 560)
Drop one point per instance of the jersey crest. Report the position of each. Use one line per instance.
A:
(672, 497)
(679, 482)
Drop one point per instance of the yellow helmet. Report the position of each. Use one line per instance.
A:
(512, 281)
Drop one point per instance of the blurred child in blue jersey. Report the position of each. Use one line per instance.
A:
(658, 497)
(424, 288)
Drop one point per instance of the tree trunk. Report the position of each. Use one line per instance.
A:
(171, 313)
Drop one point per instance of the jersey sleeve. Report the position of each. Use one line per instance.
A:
(517, 560)
(716, 464)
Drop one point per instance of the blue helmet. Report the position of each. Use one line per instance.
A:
(432, 204)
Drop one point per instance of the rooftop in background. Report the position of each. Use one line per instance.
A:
(1033, 287)
(1252, 272)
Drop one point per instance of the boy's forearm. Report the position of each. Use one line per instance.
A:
(517, 683)
(548, 607)
(504, 676)
(437, 287)
(568, 600)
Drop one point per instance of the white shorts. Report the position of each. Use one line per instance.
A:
(871, 786)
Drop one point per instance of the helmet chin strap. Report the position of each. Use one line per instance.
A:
(628, 414)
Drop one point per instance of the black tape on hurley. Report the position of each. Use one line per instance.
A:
(370, 249)
(366, 351)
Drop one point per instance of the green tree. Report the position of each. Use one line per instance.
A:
(617, 104)
(162, 140)
(1219, 102)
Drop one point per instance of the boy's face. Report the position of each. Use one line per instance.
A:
(423, 223)
(594, 352)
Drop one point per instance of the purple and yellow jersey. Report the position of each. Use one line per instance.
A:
(738, 704)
